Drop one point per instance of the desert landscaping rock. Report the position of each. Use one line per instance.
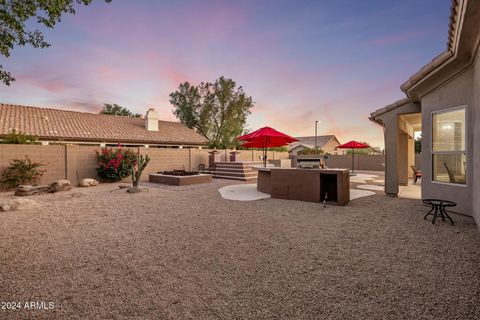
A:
(167, 254)
(123, 186)
(60, 185)
(29, 190)
(133, 189)
(16, 204)
(88, 182)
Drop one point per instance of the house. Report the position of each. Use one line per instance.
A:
(327, 143)
(62, 126)
(442, 101)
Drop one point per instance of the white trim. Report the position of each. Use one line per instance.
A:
(465, 151)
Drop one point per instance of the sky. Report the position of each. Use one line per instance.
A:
(301, 61)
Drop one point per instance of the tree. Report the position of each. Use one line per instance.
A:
(116, 110)
(14, 137)
(218, 111)
(14, 14)
(418, 145)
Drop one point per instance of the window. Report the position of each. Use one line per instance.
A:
(449, 157)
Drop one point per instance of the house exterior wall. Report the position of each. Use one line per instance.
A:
(391, 133)
(457, 92)
(402, 158)
(330, 147)
(475, 115)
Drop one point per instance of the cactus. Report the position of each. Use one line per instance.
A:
(137, 170)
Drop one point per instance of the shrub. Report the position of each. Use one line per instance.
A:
(21, 172)
(19, 137)
(115, 164)
(308, 151)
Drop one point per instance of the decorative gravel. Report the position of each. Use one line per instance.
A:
(100, 253)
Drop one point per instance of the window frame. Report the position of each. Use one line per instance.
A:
(464, 151)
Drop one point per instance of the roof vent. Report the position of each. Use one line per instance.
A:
(151, 120)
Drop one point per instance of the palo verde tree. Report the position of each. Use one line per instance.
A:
(218, 111)
(116, 110)
(14, 15)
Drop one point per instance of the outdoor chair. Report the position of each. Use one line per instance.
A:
(416, 174)
(451, 177)
(201, 168)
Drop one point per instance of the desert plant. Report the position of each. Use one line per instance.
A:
(309, 151)
(114, 164)
(137, 170)
(21, 171)
(18, 137)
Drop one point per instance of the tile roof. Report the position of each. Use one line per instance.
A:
(66, 125)
(309, 142)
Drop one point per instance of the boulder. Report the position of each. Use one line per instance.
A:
(17, 204)
(60, 185)
(28, 190)
(87, 182)
(124, 186)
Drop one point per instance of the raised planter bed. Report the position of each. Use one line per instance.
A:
(180, 180)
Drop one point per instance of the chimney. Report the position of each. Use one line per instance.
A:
(151, 120)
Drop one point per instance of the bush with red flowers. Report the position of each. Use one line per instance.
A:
(114, 164)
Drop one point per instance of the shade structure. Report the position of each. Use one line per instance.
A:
(353, 145)
(264, 138)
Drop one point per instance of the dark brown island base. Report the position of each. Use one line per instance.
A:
(180, 180)
(306, 184)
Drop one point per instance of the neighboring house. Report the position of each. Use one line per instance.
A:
(327, 143)
(62, 126)
(443, 101)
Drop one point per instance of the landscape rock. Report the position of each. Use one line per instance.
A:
(133, 189)
(87, 182)
(124, 186)
(28, 190)
(60, 185)
(17, 204)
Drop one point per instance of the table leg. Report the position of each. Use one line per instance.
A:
(446, 214)
(429, 212)
(440, 209)
(435, 214)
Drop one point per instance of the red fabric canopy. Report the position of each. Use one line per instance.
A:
(353, 145)
(266, 142)
(266, 137)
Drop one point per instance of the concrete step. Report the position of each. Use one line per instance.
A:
(235, 170)
(236, 174)
(236, 178)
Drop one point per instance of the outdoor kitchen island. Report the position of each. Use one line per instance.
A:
(313, 185)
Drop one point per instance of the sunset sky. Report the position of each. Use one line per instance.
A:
(301, 61)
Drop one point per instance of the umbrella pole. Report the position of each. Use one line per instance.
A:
(353, 160)
(265, 153)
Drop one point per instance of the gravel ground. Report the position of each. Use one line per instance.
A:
(100, 253)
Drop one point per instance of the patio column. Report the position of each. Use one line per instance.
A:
(391, 154)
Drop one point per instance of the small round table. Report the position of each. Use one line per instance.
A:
(438, 209)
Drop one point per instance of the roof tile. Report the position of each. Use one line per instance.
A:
(48, 123)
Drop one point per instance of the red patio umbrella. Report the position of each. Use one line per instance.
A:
(353, 145)
(265, 137)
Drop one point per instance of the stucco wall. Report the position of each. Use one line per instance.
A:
(76, 162)
(456, 92)
(475, 112)
(52, 158)
(330, 147)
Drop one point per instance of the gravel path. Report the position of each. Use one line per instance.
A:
(100, 253)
